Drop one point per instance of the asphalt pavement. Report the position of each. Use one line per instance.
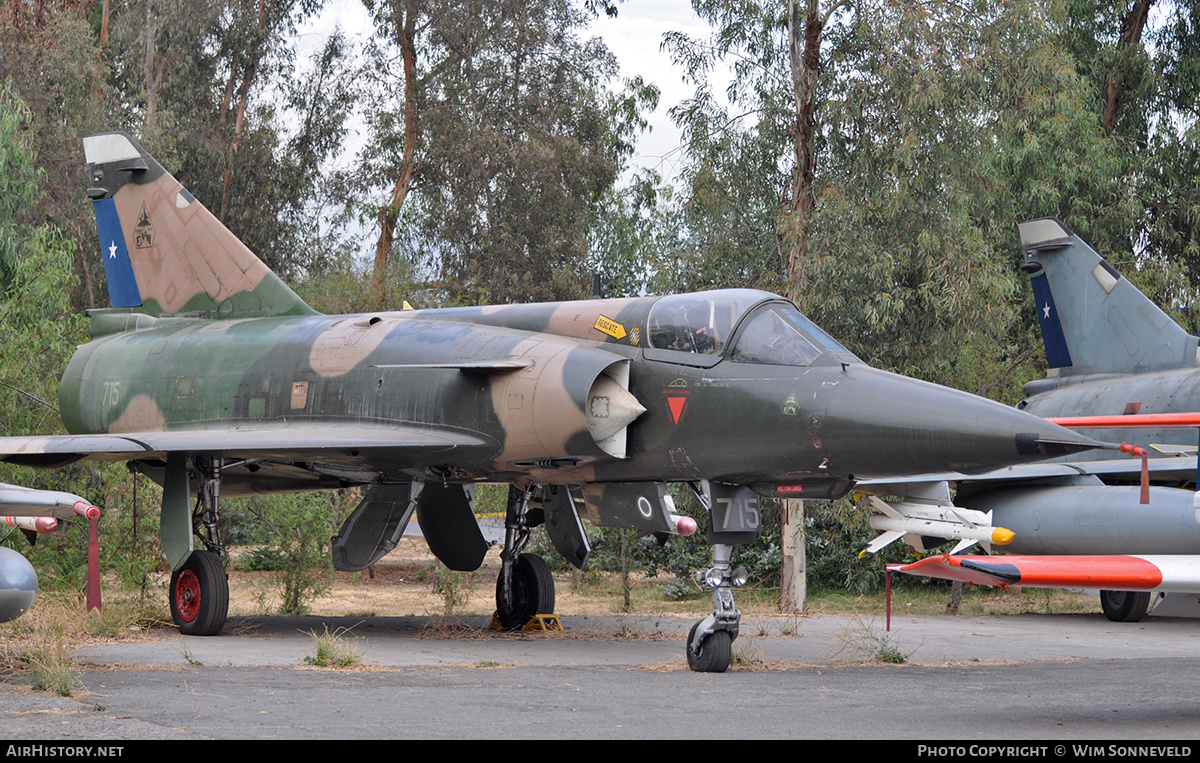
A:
(985, 677)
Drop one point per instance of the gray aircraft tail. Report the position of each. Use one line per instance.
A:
(1094, 321)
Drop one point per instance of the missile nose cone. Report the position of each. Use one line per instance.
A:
(901, 426)
(684, 525)
(1002, 536)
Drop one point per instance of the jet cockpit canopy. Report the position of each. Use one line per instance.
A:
(748, 325)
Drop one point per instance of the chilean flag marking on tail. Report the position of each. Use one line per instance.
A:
(118, 270)
(1053, 339)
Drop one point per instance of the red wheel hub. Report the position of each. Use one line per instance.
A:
(187, 596)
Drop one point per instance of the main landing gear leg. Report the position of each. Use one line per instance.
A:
(710, 642)
(525, 587)
(200, 588)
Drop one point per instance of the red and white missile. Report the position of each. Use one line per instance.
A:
(1158, 572)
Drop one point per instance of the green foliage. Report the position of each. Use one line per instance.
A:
(865, 639)
(50, 664)
(630, 236)
(297, 527)
(20, 178)
(42, 332)
(451, 586)
(355, 290)
(491, 500)
(51, 58)
(835, 532)
(263, 559)
(677, 589)
(43, 651)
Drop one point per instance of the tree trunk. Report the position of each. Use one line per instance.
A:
(804, 54)
(1131, 34)
(793, 588)
(256, 54)
(148, 65)
(408, 164)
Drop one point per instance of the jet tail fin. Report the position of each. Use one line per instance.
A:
(1093, 320)
(163, 252)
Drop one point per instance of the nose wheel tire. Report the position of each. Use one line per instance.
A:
(200, 595)
(532, 594)
(716, 652)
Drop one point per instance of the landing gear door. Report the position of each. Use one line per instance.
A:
(375, 526)
(563, 525)
(734, 513)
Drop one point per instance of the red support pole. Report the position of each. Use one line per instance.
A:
(888, 586)
(92, 514)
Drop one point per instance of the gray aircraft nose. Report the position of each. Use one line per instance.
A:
(880, 424)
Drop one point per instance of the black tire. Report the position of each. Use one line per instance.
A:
(200, 595)
(1125, 606)
(716, 652)
(533, 592)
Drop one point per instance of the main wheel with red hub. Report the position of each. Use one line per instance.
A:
(200, 595)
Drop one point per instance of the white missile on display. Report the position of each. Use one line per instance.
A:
(915, 521)
(33, 524)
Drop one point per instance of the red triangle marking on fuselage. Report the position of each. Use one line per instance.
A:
(677, 404)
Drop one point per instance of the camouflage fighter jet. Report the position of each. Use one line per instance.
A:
(214, 378)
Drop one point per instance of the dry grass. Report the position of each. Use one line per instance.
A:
(334, 649)
(932, 600)
(41, 643)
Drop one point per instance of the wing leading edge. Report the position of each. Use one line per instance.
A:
(349, 443)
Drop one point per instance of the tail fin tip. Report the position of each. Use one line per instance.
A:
(1093, 320)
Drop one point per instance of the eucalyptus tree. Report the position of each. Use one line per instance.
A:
(494, 141)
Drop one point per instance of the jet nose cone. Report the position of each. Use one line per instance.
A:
(903, 426)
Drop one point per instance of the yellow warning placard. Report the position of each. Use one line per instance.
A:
(610, 327)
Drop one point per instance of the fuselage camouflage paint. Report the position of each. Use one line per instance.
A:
(206, 352)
